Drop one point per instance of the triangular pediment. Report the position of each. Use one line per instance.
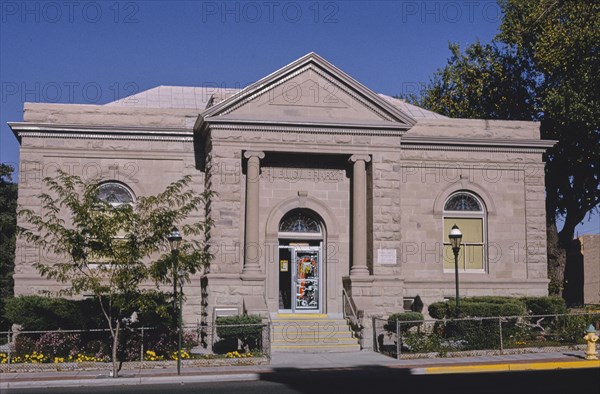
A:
(309, 91)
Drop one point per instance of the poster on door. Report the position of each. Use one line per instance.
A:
(307, 281)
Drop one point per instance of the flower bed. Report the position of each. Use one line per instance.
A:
(38, 363)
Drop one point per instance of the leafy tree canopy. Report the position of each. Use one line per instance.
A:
(8, 223)
(110, 251)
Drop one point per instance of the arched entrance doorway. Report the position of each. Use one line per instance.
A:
(301, 265)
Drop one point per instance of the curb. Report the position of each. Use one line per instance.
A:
(507, 367)
(130, 381)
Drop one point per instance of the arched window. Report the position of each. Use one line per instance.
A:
(115, 193)
(299, 221)
(467, 211)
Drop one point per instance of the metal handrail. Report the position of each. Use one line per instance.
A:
(347, 299)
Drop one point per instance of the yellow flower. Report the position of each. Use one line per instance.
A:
(184, 355)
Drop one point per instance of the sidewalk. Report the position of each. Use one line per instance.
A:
(306, 361)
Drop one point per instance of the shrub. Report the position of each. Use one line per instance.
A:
(24, 345)
(37, 313)
(438, 310)
(245, 328)
(403, 317)
(484, 309)
(477, 334)
(58, 344)
(478, 307)
(485, 333)
(415, 342)
(100, 349)
(545, 305)
(167, 342)
(571, 329)
(491, 299)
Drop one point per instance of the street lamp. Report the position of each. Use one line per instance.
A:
(180, 275)
(175, 241)
(455, 239)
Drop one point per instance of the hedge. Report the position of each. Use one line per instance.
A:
(545, 305)
(498, 306)
(404, 316)
(473, 334)
(438, 310)
(245, 328)
(37, 313)
(483, 334)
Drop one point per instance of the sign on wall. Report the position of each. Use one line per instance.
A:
(386, 256)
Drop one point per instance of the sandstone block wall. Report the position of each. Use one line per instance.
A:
(511, 187)
(146, 167)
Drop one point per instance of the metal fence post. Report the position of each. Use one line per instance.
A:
(398, 339)
(267, 340)
(9, 346)
(501, 343)
(375, 343)
(142, 346)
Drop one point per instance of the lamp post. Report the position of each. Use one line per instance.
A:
(180, 275)
(175, 241)
(455, 240)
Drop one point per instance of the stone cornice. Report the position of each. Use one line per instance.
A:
(476, 279)
(105, 132)
(476, 144)
(306, 128)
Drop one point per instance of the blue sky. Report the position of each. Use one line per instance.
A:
(93, 52)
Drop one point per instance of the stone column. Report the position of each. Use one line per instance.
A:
(359, 215)
(251, 242)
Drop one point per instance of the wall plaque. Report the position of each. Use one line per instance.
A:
(386, 256)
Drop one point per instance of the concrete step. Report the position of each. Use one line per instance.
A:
(316, 348)
(312, 333)
(307, 322)
(311, 330)
(324, 325)
(312, 341)
(293, 335)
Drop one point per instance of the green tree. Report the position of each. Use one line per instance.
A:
(111, 251)
(483, 82)
(543, 65)
(8, 226)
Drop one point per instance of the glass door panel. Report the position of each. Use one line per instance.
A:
(307, 285)
(285, 279)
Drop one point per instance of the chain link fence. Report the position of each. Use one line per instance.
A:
(482, 336)
(139, 348)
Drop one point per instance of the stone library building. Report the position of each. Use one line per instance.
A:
(330, 199)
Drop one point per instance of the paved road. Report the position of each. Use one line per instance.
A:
(372, 380)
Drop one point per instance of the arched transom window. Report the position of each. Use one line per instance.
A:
(115, 193)
(467, 211)
(299, 221)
